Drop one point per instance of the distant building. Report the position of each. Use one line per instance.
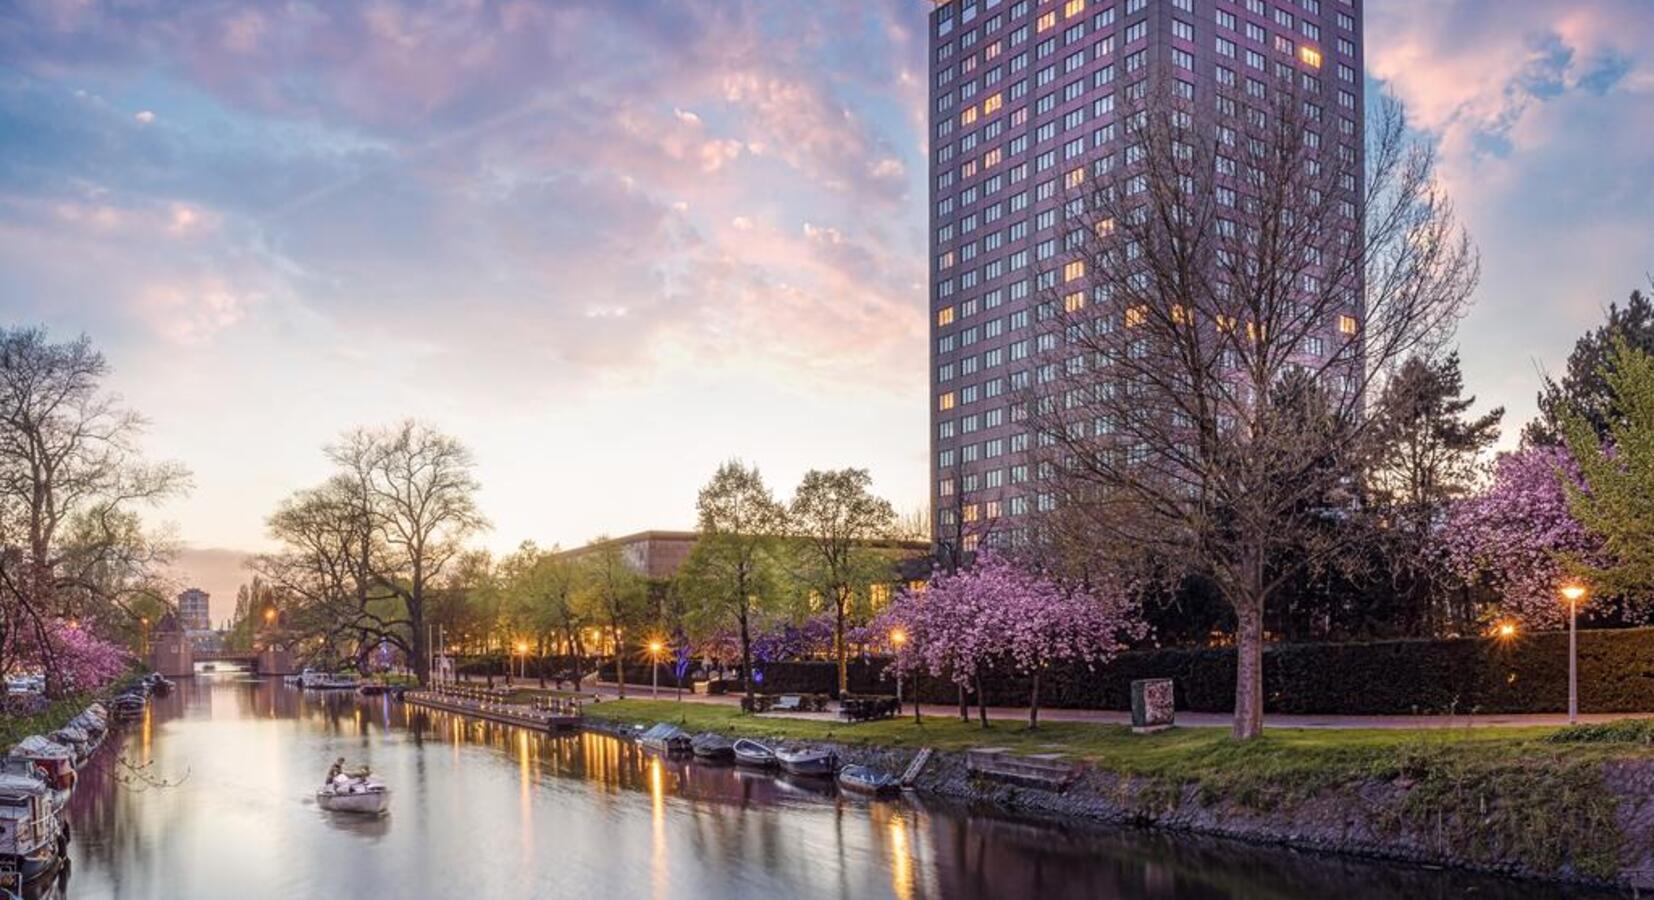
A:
(193, 613)
(657, 555)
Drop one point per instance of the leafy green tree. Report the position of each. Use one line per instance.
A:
(610, 591)
(1616, 500)
(834, 516)
(732, 573)
(1584, 388)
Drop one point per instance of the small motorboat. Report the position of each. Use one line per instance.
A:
(712, 747)
(373, 689)
(666, 738)
(749, 752)
(868, 780)
(75, 741)
(355, 792)
(127, 707)
(815, 761)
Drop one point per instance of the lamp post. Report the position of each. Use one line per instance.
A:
(1573, 593)
(655, 647)
(522, 660)
(898, 638)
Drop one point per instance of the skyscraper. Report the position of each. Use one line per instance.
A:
(1022, 93)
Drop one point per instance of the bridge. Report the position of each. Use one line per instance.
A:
(172, 655)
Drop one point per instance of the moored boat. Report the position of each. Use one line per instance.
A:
(712, 747)
(749, 752)
(868, 780)
(666, 738)
(815, 761)
(32, 837)
(76, 741)
(55, 762)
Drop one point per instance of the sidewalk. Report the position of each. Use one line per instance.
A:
(1190, 719)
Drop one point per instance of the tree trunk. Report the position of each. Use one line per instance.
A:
(964, 710)
(1248, 670)
(981, 699)
(746, 657)
(620, 665)
(1033, 703)
(838, 645)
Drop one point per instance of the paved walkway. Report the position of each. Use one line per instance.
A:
(1118, 717)
(1193, 719)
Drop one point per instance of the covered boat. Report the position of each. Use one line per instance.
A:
(713, 747)
(76, 740)
(868, 780)
(666, 738)
(55, 762)
(32, 837)
(749, 752)
(807, 760)
(355, 793)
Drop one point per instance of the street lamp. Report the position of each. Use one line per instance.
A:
(522, 660)
(1504, 631)
(655, 648)
(1573, 592)
(898, 637)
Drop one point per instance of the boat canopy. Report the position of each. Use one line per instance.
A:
(38, 747)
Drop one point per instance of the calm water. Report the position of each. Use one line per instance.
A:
(488, 811)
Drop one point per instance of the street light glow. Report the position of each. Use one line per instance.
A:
(655, 647)
(522, 646)
(1506, 630)
(1573, 591)
(898, 637)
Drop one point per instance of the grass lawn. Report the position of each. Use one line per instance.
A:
(1284, 763)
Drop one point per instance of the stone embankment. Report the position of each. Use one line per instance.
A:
(1528, 822)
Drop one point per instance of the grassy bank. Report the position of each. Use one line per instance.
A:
(1532, 794)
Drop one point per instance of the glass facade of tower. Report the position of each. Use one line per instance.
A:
(1022, 91)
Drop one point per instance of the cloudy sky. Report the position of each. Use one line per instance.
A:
(610, 244)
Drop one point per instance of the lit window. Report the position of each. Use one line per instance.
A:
(944, 316)
(1105, 227)
(1046, 21)
(945, 261)
(968, 116)
(992, 104)
(972, 512)
(945, 401)
(1180, 316)
(1074, 302)
(1310, 56)
(1136, 316)
(1073, 270)
(1226, 324)
(1346, 324)
(1074, 178)
(1073, 8)
(991, 158)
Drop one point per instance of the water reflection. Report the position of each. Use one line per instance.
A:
(483, 810)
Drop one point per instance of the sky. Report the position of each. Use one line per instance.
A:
(609, 245)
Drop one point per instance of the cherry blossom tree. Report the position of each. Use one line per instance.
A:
(1000, 612)
(1515, 536)
(81, 660)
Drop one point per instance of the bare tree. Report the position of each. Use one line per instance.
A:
(383, 528)
(1232, 287)
(70, 477)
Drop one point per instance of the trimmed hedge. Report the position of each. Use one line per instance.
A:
(1526, 675)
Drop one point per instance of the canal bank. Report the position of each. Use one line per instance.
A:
(1533, 803)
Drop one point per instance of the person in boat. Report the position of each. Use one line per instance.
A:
(337, 772)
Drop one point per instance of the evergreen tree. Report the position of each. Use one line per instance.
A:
(1584, 387)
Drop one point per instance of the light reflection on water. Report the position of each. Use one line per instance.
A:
(481, 810)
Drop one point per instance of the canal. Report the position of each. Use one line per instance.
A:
(211, 796)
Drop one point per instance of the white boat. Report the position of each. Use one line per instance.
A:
(814, 761)
(355, 794)
(55, 762)
(32, 837)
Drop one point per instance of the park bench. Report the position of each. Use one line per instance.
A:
(867, 708)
